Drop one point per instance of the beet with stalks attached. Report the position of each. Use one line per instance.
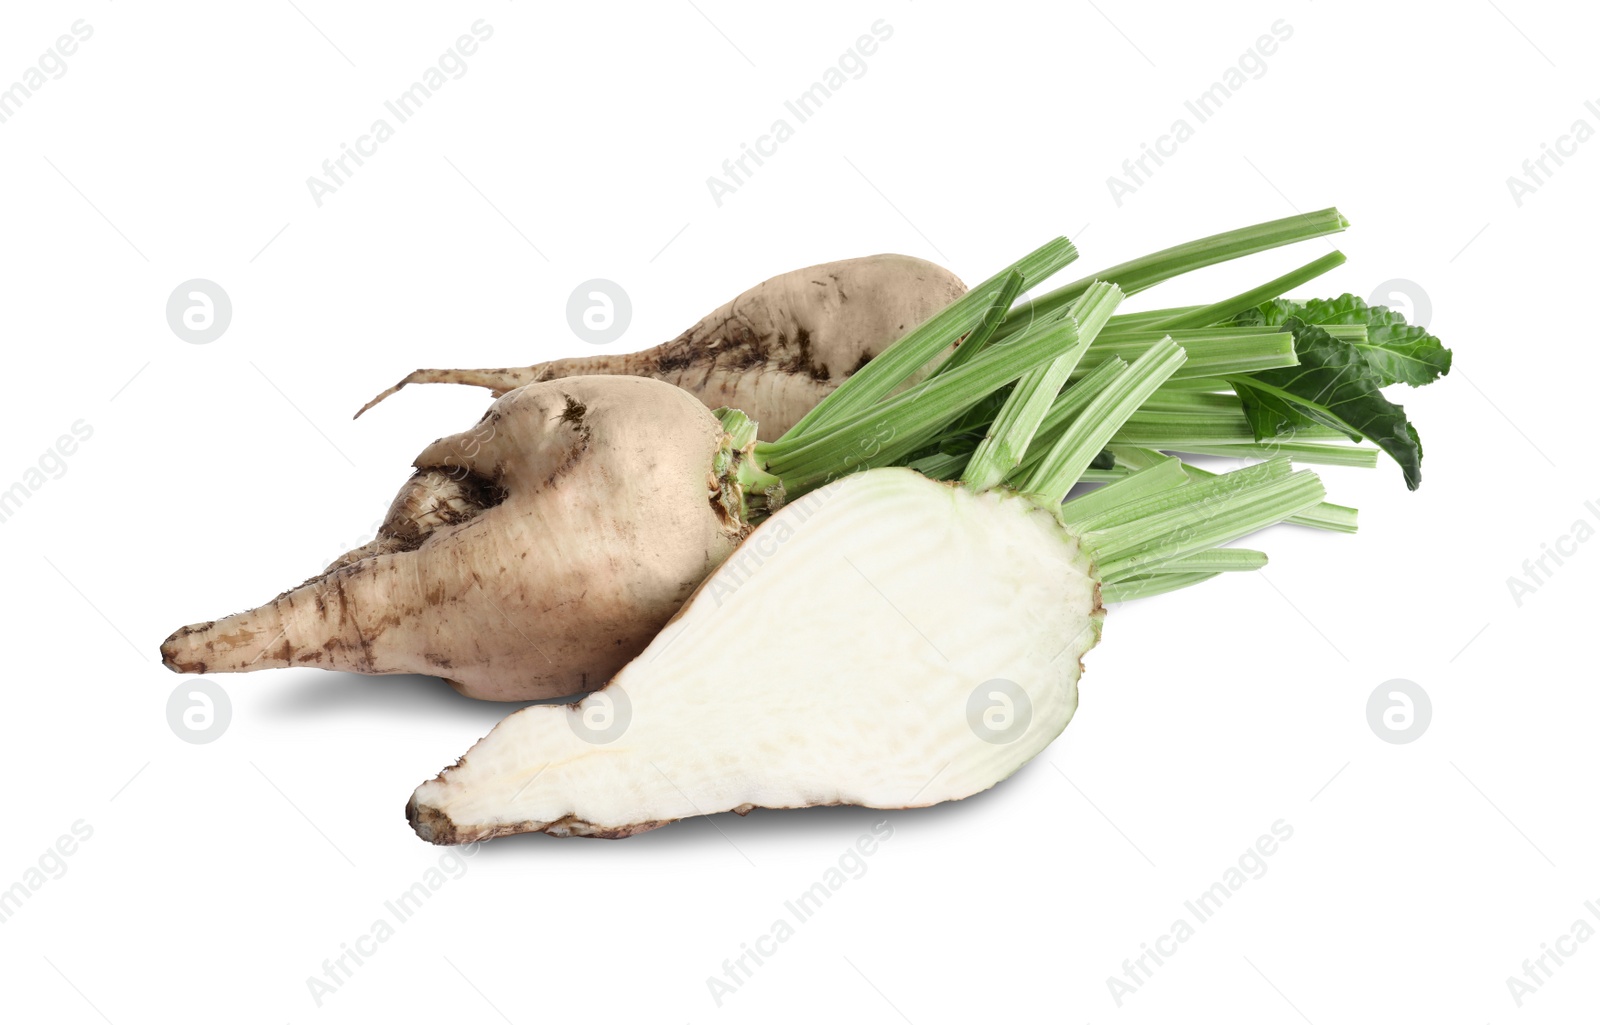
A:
(536, 554)
(529, 557)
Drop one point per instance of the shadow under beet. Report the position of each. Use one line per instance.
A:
(323, 694)
(401, 696)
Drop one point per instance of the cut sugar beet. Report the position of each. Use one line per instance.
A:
(858, 698)
(887, 641)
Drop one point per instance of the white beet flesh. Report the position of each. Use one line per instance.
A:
(828, 661)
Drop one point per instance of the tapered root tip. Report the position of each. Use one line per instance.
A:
(430, 823)
(498, 380)
(238, 644)
(178, 652)
(381, 396)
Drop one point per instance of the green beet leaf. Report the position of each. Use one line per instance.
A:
(1396, 351)
(1334, 386)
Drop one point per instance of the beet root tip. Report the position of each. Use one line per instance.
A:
(178, 652)
(430, 823)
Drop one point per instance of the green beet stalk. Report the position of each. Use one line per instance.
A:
(1030, 400)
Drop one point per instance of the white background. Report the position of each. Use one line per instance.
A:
(220, 876)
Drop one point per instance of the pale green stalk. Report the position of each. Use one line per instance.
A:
(1030, 400)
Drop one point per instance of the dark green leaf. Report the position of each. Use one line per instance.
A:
(1396, 351)
(1334, 386)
